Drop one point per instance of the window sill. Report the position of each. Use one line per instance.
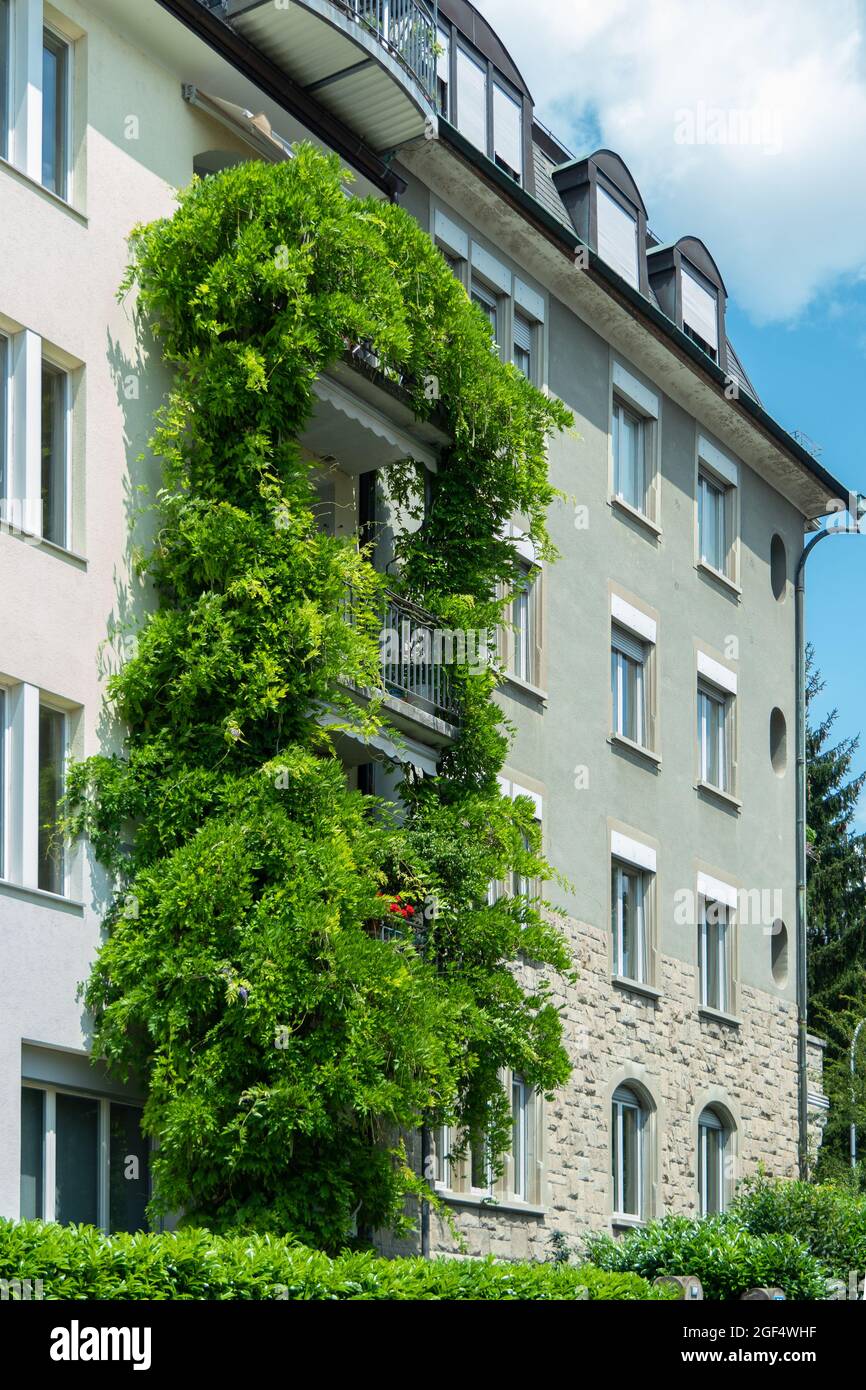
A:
(51, 547)
(40, 896)
(526, 687)
(722, 579)
(718, 1016)
(636, 987)
(476, 1199)
(727, 799)
(7, 167)
(629, 745)
(627, 1223)
(619, 504)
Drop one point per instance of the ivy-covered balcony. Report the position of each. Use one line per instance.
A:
(371, 63)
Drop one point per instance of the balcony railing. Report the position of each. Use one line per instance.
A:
(407, 29)
(412, 664)
(414, 655)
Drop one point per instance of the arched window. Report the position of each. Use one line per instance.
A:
(714, 1154)
(628, 1153)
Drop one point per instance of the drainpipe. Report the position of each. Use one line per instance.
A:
(853, 1121)
(857, 510)
(426, 1153)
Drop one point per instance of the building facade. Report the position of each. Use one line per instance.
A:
(651, 668)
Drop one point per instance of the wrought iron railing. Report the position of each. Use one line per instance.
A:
(407, 29)
(412, 658)
(414, 654)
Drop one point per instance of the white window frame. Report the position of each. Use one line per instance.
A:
(466, 57)
(490, 304)
(621, 874)
(702, 310)
(522, 638)
(67, 425)
(49, 1145)
(708, 696)
(621, 412)
(625, 1098)
(710, 1120)
(528, 333)
(710, 484)
(500, 90)
(6, 78)
(716, 939)
(442, 1147)
(520, 1123)
(629, 650)
(62, 41)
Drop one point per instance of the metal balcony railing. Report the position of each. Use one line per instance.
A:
(414, 656)
(407, 29)
(412, 664)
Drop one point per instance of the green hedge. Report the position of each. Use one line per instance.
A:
(831, 1221)
(79, 1262)
(726, 1257)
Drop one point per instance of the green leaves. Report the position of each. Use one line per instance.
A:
(284, 1044)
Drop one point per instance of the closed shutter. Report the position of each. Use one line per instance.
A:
(617, 237)
(627, 644)
(522, 333)
(700, 310)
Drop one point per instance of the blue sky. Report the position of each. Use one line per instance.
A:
(745, 125)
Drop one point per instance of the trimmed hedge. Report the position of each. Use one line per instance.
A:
(726, 1257)
(79, 1262)
(830, 1220)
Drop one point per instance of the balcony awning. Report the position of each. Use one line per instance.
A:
(256, 131)
(356, 434)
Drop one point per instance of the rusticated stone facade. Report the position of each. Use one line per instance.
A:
(680, 1059)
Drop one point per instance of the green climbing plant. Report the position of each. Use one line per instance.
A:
(285, 1046)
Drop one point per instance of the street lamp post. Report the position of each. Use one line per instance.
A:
(856, 509)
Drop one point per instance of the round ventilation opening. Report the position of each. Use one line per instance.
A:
(779, 952)
(778, 568)
(778, 742)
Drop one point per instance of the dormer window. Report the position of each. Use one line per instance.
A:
(472, 99)
(484, 104)
(507, 132)
(701, 312)
(443, 71)
(617, 236)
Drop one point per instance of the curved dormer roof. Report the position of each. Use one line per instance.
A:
(615, 168)
(696, 252)
(478, 31)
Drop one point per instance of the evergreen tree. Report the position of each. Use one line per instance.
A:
(836, 921)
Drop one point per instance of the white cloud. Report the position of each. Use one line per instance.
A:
(785, 217)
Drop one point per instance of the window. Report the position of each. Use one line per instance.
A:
(472, 99)
(714, 737)
(628, 669)
(65, 1139)
(2, 782)
(714, 962)
(52, 759)
(486, 301)
(713, 1143)
(443, 71)
(617, 237)
(629, 898)
(480, 1168)
(442, 1145)
(524, 644)
(55, 113)
(507, 132)
(519, 1137)
(713, 522)
(54, 453)
(523, 333)
(630, 439)
(4, 423)
(628, 1153)
(5, 73)
(700, 313)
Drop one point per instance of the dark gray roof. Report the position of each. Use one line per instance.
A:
(547, 195)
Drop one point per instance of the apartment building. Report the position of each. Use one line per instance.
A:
(651, 669)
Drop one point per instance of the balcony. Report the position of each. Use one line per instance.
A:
(419, 704)
(371, 63)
